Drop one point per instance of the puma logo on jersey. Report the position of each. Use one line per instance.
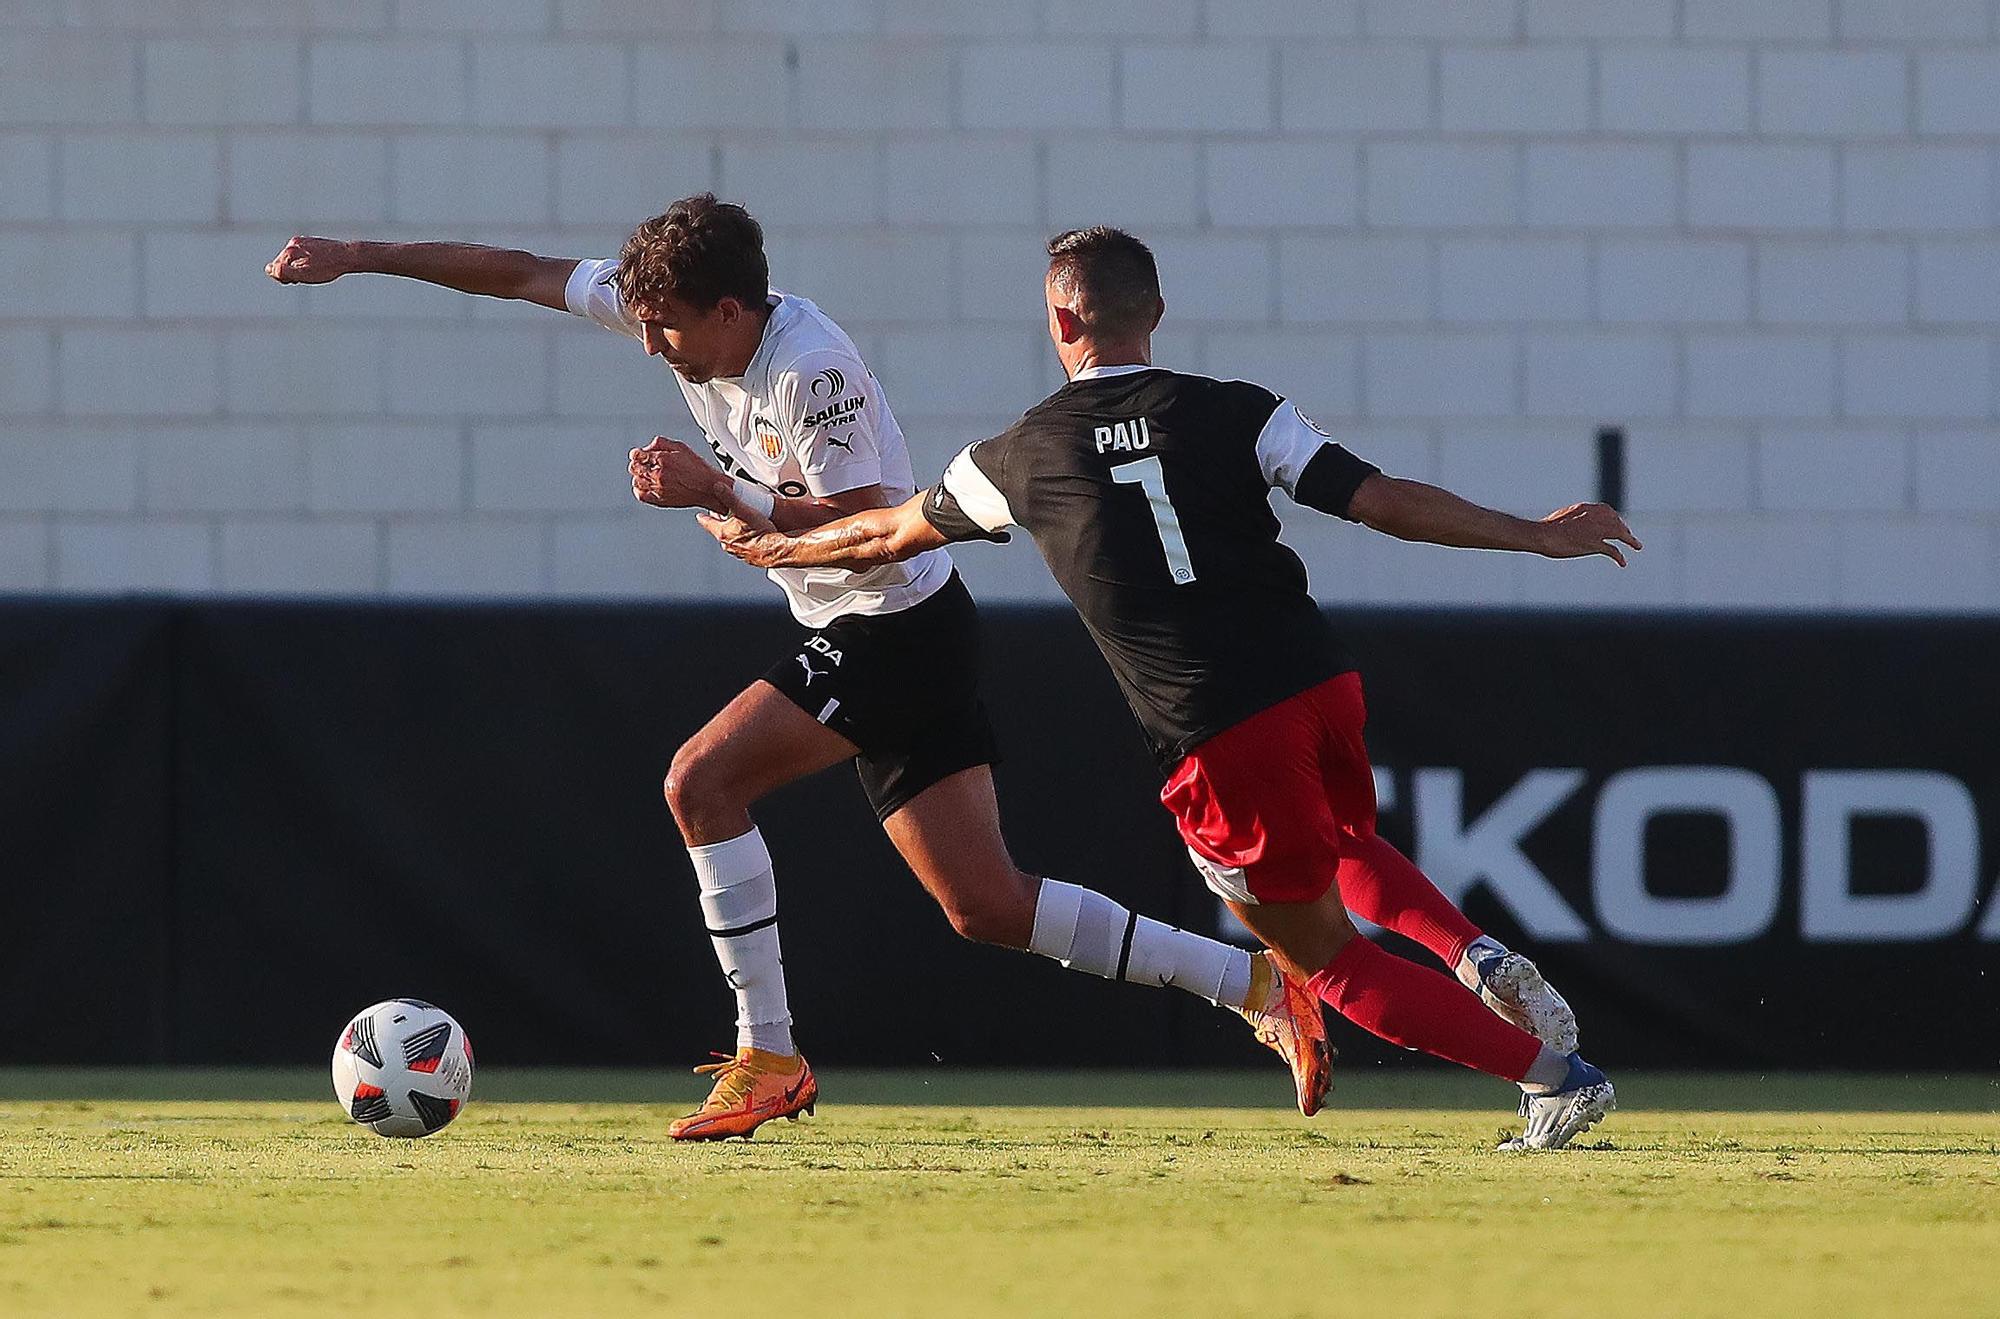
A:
(811, 672)
(1124, 436)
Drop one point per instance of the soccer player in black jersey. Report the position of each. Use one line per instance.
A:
(1147, 492)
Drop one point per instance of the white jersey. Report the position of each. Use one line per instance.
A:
(806, 417)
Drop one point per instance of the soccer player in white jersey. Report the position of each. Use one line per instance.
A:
(886, 675)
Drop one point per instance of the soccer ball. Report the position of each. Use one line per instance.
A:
(403, 1068)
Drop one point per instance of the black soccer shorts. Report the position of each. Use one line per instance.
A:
(903, 687)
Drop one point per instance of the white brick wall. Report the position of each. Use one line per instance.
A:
(254, 80)
(27, 370)
(1918, 188)
(1354, 89)
(1762, 234)
(408, 81)
(1357, 278)
(295, 556)
(1955, 92)
(1654, 89)
(1595, 375)
(1600, 185)
(1514, 279)
(1770, 20)
(1485, 89)
(962, 180)
(910, 85)
(127, 177)
(57, 77)
(1958, 281)
(1673, 280)
(1322, 183)
(1833, 283)
(1760, 187)
(1575, 20)
(1423, 185)
(276, 177)
(1172, 87)
(1914, 20)
(1846, 93)
(1832, 470)
(1143, 185)
(448, 179)
(547, 84)
(1760, 375)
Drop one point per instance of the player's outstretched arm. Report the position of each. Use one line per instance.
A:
(492, 272)
(1411, 510)
(863, 540)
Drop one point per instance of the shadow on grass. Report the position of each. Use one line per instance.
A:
(1409, 1087)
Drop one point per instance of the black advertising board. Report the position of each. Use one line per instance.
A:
(1737, 842)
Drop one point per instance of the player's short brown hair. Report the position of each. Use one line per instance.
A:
(1113, 276)
(699, 250)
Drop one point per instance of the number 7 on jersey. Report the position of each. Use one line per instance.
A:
(1149, 475)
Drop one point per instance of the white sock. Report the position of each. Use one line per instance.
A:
(1086, 931)
(1477, 951)
(739, 904)
(1549, 1070)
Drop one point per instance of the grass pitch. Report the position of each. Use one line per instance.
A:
(975, 1194)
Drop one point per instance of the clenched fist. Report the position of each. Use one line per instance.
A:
(668, 474)
(311, 261)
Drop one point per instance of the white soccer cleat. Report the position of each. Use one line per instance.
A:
(1511, 985)
(1557, 1118)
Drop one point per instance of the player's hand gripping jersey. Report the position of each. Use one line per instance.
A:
(1148, 494)
(807, 418)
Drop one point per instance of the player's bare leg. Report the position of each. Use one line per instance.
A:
(758, 743)
(755, 745)
(1419, 1009)
(949, 835)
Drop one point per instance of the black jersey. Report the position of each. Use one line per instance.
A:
(1148, 493)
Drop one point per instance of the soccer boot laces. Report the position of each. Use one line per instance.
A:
(1293, 1028)
(751, 1087)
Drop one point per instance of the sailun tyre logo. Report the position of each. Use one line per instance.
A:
(829, 383)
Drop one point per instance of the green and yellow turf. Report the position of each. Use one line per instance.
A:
(947, 1194)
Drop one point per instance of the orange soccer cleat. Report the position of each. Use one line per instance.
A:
(750, 1089)
(1293, 1028)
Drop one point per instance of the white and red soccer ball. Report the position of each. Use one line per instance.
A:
(403, 1068)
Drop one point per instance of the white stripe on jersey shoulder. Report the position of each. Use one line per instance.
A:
(592, 292)
(1122, 369)
(582, 277)
(977, 496)
(1289, 441)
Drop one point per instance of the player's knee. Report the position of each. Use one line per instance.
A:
(985, 924)
(1322, 942)
(1002, 914)
(695, 783)
(1339, 933)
